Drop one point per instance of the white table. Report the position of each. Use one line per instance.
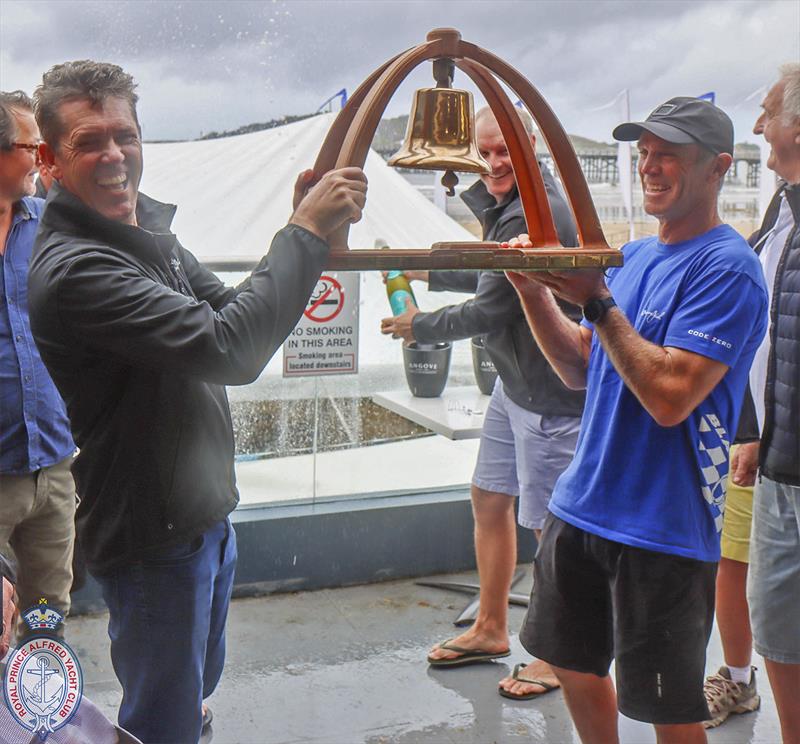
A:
(456, 414)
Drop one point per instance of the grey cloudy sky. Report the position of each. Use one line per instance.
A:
(209, 65)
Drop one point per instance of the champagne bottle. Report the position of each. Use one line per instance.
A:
(398, 288)
(399, 291)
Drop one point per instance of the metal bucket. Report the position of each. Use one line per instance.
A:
(483, 366)
(427, 368)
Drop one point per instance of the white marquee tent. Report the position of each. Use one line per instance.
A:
(234, 193)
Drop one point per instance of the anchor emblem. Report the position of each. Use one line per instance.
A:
(38, 700)
(43, 682)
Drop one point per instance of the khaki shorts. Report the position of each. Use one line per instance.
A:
(37, 521)
(736, 522)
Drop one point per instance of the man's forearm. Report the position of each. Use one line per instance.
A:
(638, 362)
(669, 383)
(559, 338)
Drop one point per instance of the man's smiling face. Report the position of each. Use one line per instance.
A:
(782, 133)
(99, 156)
(492, 148)
(674, 177)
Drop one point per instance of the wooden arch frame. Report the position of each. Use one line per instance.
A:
(348, 141)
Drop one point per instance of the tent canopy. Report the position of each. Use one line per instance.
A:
(233, 194)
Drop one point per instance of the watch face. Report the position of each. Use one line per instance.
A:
(591, 311)
(594, 310)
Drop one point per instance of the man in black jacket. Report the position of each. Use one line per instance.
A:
(773, 583)
(141, 340)
(531, 425)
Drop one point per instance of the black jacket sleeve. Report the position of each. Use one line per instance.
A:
(748, 421)
(494, 306)
(206, 284)
(748, 430)
(566, 228)
(103, 299)
(453, 281)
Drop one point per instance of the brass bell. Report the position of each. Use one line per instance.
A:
(441, 133)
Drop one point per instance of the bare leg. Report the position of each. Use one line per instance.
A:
(496, 553)
(733, 616)
(537, 669)
(592, 703)
(785, 682)
(682, 733)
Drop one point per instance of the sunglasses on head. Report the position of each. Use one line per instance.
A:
(26, 146)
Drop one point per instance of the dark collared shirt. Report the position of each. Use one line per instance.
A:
(34, 429)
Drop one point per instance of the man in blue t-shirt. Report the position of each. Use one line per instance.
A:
(628, 554)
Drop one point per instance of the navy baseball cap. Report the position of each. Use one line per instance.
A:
(684, 121)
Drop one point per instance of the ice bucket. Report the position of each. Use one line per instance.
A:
(426, 368)
(483, 366)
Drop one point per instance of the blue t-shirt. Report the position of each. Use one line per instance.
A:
(633, 481)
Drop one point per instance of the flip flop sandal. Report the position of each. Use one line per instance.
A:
(548, 687)
(467, 655)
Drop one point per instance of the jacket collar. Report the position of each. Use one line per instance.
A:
(792, 194)
(484, 206)
(479, 200)
(65, 213)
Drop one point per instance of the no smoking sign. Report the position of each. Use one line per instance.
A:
(325, 340)
(326, 301)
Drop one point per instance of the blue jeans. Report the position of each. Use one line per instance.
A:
(166, 623)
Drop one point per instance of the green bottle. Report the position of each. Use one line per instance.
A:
(399, 291)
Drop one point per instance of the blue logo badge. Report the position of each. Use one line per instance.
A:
(43, 683)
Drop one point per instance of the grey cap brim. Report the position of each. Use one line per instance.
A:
(632, 130)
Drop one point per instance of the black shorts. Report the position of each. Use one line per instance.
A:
(595, 600)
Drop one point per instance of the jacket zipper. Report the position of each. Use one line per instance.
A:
(174, 265)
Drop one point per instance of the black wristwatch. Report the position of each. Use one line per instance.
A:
(595, 310)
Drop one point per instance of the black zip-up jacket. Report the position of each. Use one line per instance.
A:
(140, 340)
(495, 311)
(779, 454)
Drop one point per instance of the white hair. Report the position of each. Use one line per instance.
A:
(524, 116)
(790, 76)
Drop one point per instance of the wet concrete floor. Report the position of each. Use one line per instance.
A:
(347, 666)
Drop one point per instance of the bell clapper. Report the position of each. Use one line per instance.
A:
(449, 181)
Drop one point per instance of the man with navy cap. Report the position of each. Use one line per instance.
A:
(628, 554)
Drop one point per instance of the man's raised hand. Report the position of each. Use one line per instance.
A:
(337, 199)
(577, 286)
(301, 186)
